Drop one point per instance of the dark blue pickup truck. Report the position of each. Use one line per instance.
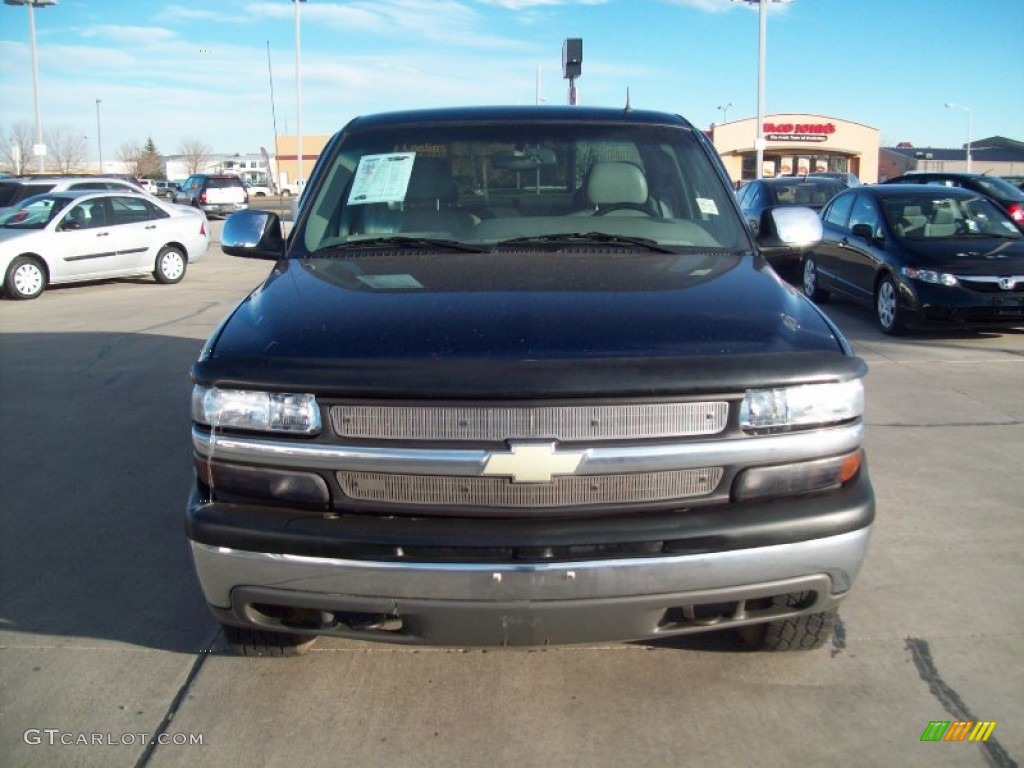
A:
(523, 376)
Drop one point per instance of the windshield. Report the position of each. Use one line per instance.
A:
(999, 188)
(33, 213)
(486, 185)
(813, 193)
(937, 216)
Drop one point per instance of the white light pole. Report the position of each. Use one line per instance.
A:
(759, 141)
(298, 94)
(970, 117)
(725, 111)
(99, 136)
(39, 149)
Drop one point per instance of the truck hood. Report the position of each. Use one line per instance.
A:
(393, 320)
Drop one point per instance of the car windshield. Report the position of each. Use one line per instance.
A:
(999, 188)
(547, 184)
(810, 192)
(931, 216)
(33, 213)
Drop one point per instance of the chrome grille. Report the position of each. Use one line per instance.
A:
(567, 423)
(580, 490)
(992, 284)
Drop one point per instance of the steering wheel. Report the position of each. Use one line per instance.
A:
(624, 207)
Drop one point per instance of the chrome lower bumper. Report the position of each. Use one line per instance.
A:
(525, 604)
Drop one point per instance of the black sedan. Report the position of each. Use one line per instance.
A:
(758, 197)
(920, 253)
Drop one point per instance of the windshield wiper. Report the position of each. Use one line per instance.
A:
(576, 238)
(400, 241)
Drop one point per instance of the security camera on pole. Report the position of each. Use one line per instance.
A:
(572, 64)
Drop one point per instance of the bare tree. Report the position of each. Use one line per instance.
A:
(66, 148)
(196, 155)
(130, 154)
(17, 146)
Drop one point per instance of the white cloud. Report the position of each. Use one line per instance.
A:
(123, 34)
(439, 21)
(718, 6)
(519, 5)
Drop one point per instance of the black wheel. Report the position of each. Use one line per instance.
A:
(26, 278)
(797, 633)
(261, 194)
(170, 267)
(285, 193)
(887, 307)
(258, 642)
(810, 282)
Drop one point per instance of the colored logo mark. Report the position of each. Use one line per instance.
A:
(958, 730)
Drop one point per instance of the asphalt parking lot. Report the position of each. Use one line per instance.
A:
(106, 645)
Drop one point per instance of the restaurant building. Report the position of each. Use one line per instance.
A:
(797, 144)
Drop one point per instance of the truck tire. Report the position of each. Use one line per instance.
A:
(797, 633)
(258, 642)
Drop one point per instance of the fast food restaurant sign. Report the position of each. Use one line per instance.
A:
(811, 132)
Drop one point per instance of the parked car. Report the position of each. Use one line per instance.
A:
(522, 376)
(13, 191)
(758, 197)
(257, 190)
(64, 237)
(165, 189)
(918, 253)
(213, 193)
(999, 189)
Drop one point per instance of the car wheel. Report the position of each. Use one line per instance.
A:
(258, 642)
(170, 265)
(797, 633)
(887, 307)
(26, 278)
(261, 194)
(285, 193)
(811, 289)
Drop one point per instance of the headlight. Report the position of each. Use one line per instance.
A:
(810, 405)
(263, 411)
(930, 276)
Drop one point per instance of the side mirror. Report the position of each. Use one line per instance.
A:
(867, 232)
(790, 227)
(253, 234)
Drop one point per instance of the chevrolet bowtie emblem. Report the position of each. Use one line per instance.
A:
(532, 463)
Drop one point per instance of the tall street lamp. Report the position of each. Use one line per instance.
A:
(99, 137)
(298, 93)
(39, 149)
(759, 142)
(725, 111)
(970, 116)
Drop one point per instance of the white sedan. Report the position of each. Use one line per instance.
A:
(67, 237)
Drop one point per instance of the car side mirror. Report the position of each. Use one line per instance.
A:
(866, 232)
(790, 227)
(253, 234)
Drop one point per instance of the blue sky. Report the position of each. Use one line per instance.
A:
(175, 70)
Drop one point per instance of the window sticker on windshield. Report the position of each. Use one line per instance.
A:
(382, 178)
(707, 206)
(391, 282)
